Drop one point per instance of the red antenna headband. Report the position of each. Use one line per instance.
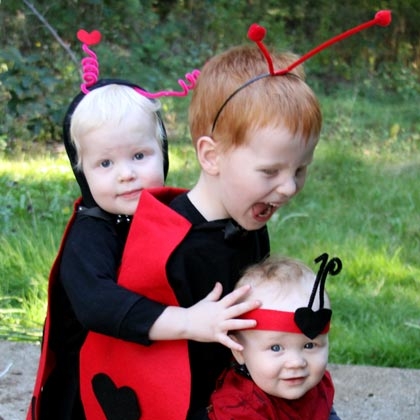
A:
(257, 33)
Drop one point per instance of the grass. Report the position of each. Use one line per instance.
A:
(360, 203)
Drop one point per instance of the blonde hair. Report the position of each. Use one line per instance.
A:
(281, 275)
(280, 100)
(108, 105)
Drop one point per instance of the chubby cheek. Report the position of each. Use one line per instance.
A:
(321, 364)
(266, 377)
(152, 176)
(317, 366)
(263, 368)
(157, 180)
(101, 187)
(244, 194)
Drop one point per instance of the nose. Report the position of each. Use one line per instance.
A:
(287, 187)
(126, 174)
(295, 360)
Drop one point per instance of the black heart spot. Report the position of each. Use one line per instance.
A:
(117, 403)
(312, 323)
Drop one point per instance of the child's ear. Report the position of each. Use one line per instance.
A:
(207, 155)
(239, 357)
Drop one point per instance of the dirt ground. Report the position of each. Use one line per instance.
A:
(362, 392)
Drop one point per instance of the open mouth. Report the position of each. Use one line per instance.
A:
(263, 211)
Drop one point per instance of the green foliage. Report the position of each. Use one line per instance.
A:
(157, 42)
(31, 109)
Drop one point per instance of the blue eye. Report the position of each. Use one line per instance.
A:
(276, 348)
(139, 156)
(106, 163)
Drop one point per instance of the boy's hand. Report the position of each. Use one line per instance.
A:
(211, 319)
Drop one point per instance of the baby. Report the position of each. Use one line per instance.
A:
(281, 371)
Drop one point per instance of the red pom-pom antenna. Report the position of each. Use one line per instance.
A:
(383, 17)
(257, 33)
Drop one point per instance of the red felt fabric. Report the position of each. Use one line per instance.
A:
(159, 374)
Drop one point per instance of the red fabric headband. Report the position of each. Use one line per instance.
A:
(272, 320)
(304, 320)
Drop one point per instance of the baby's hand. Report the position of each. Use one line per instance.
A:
(211, 319)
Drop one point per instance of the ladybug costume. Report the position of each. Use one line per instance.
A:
(82, 292)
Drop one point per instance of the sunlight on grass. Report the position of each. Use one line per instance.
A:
(36, 191)
(25, 262)
(41, 169)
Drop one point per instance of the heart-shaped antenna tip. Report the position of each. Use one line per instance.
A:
(256, 32)
(89, 38)
(383, 17)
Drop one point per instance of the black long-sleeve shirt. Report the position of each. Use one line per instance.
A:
(202, 259)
